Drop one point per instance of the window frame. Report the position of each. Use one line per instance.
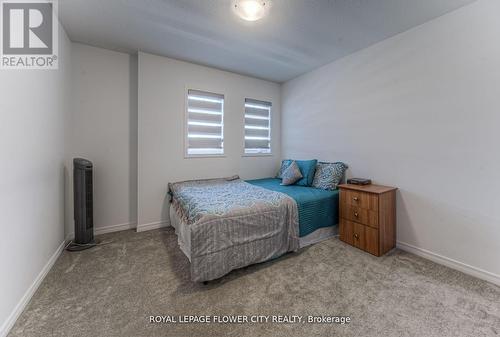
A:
(259, 154)
(214, 91)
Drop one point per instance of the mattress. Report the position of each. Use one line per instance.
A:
(317, 208)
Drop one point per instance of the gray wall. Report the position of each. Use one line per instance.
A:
(109, 128)
(104, 130)
(418, 111)
(34, 111)
(162, 95)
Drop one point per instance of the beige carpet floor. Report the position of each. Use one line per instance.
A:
(111, 290)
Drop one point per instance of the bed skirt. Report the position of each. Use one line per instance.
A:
(184, 235)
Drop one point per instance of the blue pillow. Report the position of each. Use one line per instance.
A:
(307, 168)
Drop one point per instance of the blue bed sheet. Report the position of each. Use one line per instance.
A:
(317, 208)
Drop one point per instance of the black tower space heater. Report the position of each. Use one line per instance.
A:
(83, 205)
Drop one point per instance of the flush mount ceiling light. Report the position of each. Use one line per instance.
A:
(250, 10)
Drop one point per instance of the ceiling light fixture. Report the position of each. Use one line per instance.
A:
(250, 10)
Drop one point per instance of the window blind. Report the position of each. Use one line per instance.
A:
(257, 127)
(205, 123)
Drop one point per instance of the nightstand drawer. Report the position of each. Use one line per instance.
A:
(359, 236)
(361, 215)
(360, 199)
(352, 233)
(346, 231)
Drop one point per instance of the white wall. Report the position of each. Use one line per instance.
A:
(34, 109)
(162, 90)
(419, 111)
(104, 130)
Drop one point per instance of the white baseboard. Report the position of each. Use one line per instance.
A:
(107, 229)
(21, 305)
(152, 225)
(115, 228)
(464, 268)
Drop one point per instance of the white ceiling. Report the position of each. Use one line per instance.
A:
(296, 36)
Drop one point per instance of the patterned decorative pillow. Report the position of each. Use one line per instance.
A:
(284, 165)
(328, 175)
(291, 175)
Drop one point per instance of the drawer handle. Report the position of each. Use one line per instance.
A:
(356, 214)
(355, 198)
(356, 236)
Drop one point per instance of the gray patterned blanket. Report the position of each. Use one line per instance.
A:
(234, 224)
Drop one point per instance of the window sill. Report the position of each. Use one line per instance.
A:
(196, 156)
(257, 155)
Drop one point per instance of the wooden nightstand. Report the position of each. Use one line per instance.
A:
(368, 217)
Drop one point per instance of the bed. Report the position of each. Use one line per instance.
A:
(225, 224)
(318, 209)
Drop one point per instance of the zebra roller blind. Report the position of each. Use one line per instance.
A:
(257, 127)
(205, 123)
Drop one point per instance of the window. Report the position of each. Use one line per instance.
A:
(257, 127)
(205, 124)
